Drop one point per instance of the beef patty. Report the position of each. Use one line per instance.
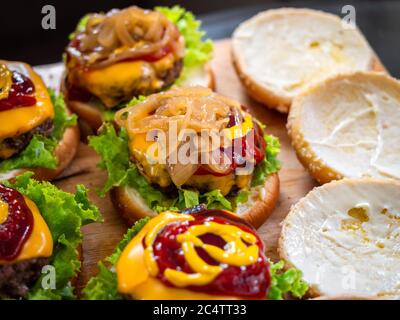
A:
(17, 144)
(17, 278)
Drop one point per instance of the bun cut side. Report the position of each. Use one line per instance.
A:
(279, 53)
(348, 126)
(343, 237)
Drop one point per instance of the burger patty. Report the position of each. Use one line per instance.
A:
(17, 278)
(17, 144)
(112, 93)
(143, 85)
(170, 75)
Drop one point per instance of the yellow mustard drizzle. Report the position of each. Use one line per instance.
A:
(3, 211)
(238, 253)
(239, 130)
(137, 268)
(150, 262)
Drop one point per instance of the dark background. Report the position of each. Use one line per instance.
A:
(22, 37)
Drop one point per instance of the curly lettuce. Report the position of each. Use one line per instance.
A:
(287, 282)
(103, 286)
(65, 214)
(197, 50)
(39, 153)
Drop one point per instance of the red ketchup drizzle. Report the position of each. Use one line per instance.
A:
(15, 231)
(20, 94)
(253, 144)
(250, 282)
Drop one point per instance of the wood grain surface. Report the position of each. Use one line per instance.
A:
(100, 239)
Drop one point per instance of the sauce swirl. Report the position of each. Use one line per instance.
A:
(20, 94)
(17, 227)
(248, 280)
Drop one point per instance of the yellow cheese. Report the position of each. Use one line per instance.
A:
(131, 267)
(17, 121)
(3, 211)
(146, 152)
(116, 82)
(239, 130)
(40, 242)
(137, 268)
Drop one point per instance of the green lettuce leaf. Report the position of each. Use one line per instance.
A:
(242, 197)
(187, 199)
(64, 214)
(38, 153)
(104, 285)
(62, 119)
(215, 200)
(114, 151)
(289, 281)
(197, 51)
(80, 26)
(40, 150)
(270, 163)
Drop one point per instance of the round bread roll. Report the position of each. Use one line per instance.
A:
(65, 153)
(344, 238)
(279, 53)
(348, 126)
(260, 204)
(91, 118)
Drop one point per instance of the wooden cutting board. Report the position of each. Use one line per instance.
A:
(101, 239)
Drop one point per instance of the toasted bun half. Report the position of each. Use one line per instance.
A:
(91, 119)
(255, 211)
(348, 126)
(344, 238)
(65, 153)
(280, 53)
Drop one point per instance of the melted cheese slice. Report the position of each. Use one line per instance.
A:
(135, 272)
(40, 242)
(17, 121)
(345, 238)
(122, 78)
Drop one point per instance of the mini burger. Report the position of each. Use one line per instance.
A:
(36, 131)
(40, 238)
(188, 146)
(121, 55)
(190, 255)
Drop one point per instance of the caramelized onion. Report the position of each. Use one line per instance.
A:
(194, 108)
(130, 33)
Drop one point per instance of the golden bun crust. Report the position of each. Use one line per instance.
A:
(268, 95)
(271, 99)
(65, 153)
(316, 164)
(132, 207)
